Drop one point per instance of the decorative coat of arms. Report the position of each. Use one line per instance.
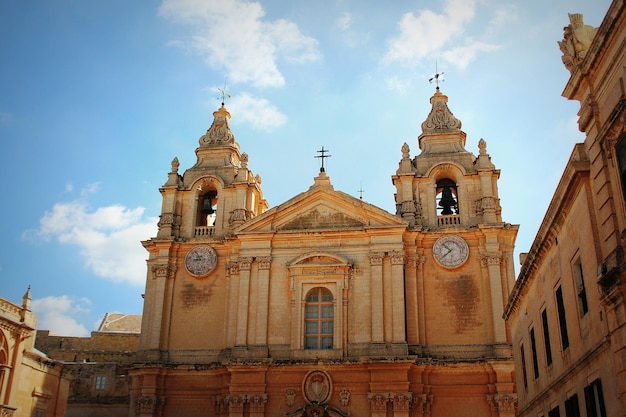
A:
(317, 387)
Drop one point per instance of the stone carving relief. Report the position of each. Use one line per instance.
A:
(577, 38)
(502, 402)
(317, 386)
(219, 133)
(440, 116)
(290, 397)
(344, 397)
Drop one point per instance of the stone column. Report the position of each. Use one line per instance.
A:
(157, 295)
(262, 301)
(233, 298)
(411, 302)
(492, 262)
(243, 302)
(376, 279)
(397, 295)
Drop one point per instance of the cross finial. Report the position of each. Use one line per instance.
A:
(361, 191)
(223, 92)
(323, 155)
(437, 76)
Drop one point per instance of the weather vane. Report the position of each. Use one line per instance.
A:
(323, 155)
(223, 92)
(436, 77)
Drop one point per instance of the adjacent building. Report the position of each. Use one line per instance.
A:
(566, 310)
(31, 384)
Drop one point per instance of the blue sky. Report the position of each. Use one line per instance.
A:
(97, 97)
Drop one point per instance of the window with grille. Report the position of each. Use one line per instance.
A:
(319, 319)
(101, 382)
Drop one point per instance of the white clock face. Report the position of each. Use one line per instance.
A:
(200, 260)
(450, 251)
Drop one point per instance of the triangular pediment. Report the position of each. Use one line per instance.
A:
(321, 208)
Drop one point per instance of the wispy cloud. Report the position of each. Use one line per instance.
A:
(57, 314)
(108, 237)
(259, 112)
(232, 35)
(344, 22)
(429, 33)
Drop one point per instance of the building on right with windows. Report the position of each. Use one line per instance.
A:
(566, 311)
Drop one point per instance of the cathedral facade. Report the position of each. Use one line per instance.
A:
(326, 305)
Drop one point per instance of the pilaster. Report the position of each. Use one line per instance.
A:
(376, 279)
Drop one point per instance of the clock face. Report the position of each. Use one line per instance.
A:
(450, 251)
(200, 260)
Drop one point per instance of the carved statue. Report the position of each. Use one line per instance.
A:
(577, 38)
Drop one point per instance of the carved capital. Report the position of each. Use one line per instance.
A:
(245, 264)
(234, 402)
(171, 219)
(402, 401)
(238, 216)
(265, 262)
(163, 271)
(408, 207)
(491, 259)
(148, 404)
(257, 402)
(376, 258)
(397, 258)
(378, 400)
(502, 402)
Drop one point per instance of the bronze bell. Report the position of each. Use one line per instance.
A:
(447, 200)
(207, 208)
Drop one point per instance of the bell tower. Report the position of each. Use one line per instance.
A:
(461, 248)
(200, 210)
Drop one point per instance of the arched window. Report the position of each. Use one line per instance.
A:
(319, 319)
(447, 198)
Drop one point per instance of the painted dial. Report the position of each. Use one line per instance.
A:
(200, 260)
(450, 251)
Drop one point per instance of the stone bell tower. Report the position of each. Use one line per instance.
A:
(462, 267)
(205, 205)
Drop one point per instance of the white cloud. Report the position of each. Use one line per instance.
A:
(429, 33)
(108, 237)
(259, 112)
(56, 314)
(233, 36)
(398, 85)
(344, 22)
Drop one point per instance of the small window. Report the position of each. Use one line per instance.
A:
(319, 319)
(101, 381)
(546, 337)
(523, 361)
(533, 346)
(560, 305)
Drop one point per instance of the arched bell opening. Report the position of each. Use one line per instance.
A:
(207, 207)
(447, 197)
